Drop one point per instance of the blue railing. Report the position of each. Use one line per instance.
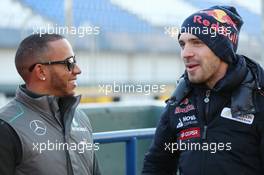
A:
(130, 137)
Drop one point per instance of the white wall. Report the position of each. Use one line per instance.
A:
(8, 73)
(108, 67)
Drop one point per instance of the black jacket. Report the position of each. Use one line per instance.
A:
(217, 131)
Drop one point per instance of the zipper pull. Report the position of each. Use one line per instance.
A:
(204, 132)
(207, 95)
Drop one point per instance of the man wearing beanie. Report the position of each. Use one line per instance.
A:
(213, 124)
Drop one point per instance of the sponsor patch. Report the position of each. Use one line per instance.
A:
(190, 133)
(77, 127)
(180, 124)
(184, 107)
(247, 118)
(80, 129)
(187, 120)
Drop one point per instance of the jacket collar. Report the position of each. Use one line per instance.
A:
(233, 78)
(244, 82)
(50, 106)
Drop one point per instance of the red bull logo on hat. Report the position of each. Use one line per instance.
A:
(217, 27)
(221, 16)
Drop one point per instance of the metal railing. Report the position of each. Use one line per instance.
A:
(130, 137)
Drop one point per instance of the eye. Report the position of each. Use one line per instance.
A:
(70, 66)
(182, 44)
(197, 42)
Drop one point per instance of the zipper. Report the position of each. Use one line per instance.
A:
(206, 101)
(66, 140)
(204, 132)
(204, 135)
(67, 120)
(68, 159)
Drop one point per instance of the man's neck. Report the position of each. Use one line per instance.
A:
(220, 73)
(31, 92)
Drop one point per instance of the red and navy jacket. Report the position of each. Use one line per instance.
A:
(217, 131)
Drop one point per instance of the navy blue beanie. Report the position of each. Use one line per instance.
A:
(218, 27)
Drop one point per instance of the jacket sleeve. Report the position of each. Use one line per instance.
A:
(10, 149)
(259, 120)
(261, 137)
(262, 150)
(96, 168)
(160, 160)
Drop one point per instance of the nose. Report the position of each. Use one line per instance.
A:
(76, 70)
(187, 51)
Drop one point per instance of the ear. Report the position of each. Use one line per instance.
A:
(40, 72)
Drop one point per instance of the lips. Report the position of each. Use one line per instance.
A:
(73, 82)
(191, 67)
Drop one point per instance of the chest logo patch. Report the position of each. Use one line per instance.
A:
(76, 126)
(247, 118)
(184, 107)
(190, 133)
(38, 127)
(187, 120)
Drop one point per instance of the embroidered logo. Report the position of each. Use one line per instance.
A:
(180, 124)
(38, 127)
(76, 126)
(187, 120)
(184, 107)
(190, 133)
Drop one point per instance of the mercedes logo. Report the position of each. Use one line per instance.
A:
(38, 127)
